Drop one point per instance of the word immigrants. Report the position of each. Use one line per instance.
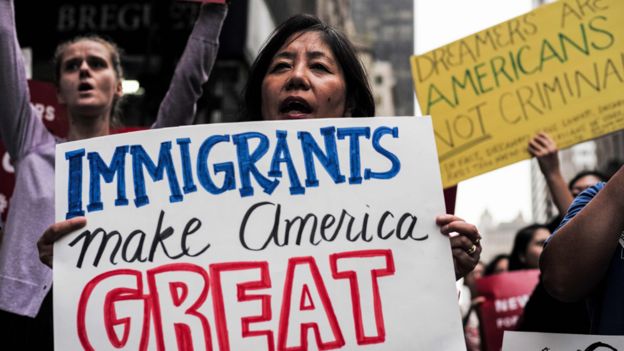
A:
(256, 156)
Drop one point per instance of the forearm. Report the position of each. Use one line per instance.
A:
(577, 257)
(193, 69)
(559, 191)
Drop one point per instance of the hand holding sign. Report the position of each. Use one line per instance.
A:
(545, 150)
(465, 243)
(248, 235)
(45, 245)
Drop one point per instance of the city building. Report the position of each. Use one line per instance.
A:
(498, 238)
(383, 83)
(390, 33)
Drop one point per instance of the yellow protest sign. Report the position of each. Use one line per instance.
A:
(558, 69)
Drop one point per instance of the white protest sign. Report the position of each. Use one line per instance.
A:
(297, 235)
(524, 341)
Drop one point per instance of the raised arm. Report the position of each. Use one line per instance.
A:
(544, 148)
(577, 256)
(193, 70)
(19, 126)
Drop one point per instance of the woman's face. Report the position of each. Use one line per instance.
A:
(304, 80)
(535, 247)
(501, 266)
(88, 82)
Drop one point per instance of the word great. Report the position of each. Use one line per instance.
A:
(250, 147)
(172, 304)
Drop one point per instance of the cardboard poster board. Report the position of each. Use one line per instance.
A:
(303, 235)
(505, 296)
(524, 341)
(559, 69)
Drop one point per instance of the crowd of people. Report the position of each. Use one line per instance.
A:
(576, 291)
(306, 69)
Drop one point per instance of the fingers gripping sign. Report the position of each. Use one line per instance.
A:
(465, 243)
(45, 245)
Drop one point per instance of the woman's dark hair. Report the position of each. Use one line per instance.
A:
(521, 242)
(582, 174)
(491, 267)
(359, 98)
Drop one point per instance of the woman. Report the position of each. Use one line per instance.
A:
(328, 64)
(307, 69)
(499, 264)
(542, 313)
(527, 247)
(583, 259)
(89, 84)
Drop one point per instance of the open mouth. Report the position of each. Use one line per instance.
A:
(295, 105)
(84, 87)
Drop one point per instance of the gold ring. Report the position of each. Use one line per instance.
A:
(472, 249)
(477, 241)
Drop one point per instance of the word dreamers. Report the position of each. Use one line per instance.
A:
(251, 149)
(188, 307)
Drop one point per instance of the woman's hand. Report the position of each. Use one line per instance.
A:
(465, 243)
(545, 150)
(54, 232)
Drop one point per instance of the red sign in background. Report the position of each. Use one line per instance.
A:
(505, 295)
(54, 117)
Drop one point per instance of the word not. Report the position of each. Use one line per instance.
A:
(329, 227)
(242, 171)
(182, 290)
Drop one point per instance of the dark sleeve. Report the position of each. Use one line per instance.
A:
(193, 69)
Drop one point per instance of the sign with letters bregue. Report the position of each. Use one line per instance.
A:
(558, 69)
(292, 235)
